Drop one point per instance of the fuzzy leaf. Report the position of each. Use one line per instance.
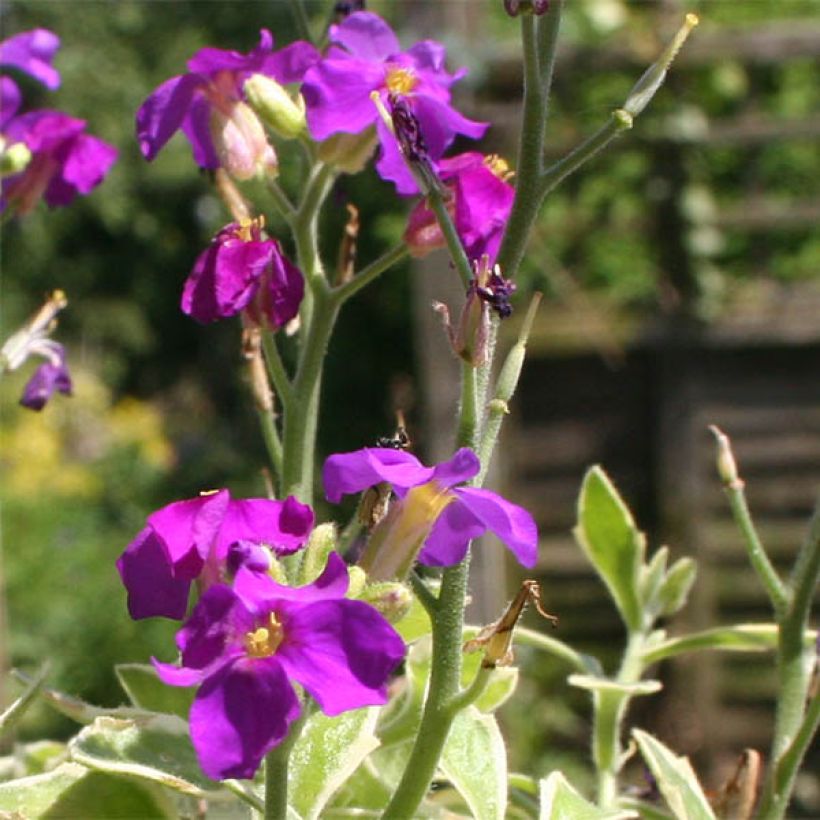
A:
(146, 691)
(676, 586)
(18, 708)
(560, 801)
(156, 748)
(475, 761)
(607, 534)
(327, 752)
(676, 779)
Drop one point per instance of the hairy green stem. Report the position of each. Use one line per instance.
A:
(273, 444)
(423, 593)
(437, 205)
(371, 272)
(280, 199)
(468, 421)
(276, 775)
(276, 369)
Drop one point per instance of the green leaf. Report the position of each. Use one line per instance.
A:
(12, 715)
(607, 534)
(415, 624)
(652, 576)
(72, 790)
(475, 761)
(146, 691)
(677, 585)
(500, 688)
(328, 751)
(401, 717)
(739, 638)
(676, 779)
(155, 747)
(560, 801)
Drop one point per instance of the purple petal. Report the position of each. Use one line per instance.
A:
(249, 555)
(337, 96)
(283, 525)
(367, 36)
(163, 111)
(197, 128)
(284, 292)
(239, 715)
(428, 55)
(147, 574)
(10, 99)
(172, 675)
(261, 591)
(32, 52)
(210, 60)
(512, 524)
(47, 378)
(44, 130)
(463, 465)
(289, 64)
(88, 159)
(450, 537)
(342, 652)
(391, 165)
(346, 473)
(190, 526)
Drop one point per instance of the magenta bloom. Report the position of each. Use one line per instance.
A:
(65, 161)
(209, 100)
(481, 204)
(242, 270)
(366, 57)
(244, 645)
(204, 539)
(468, 512)
(32, 52)
(50, 376)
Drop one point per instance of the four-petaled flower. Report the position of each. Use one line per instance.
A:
(480, 206)
(244, 645)
(208, 105)
(241, 270)
(440, 517)
(204, 538)
(365, 57)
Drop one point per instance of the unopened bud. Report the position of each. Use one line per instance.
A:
(14, 159)
(653, 77)
(726, 465)
(321, 543)
(349, 152)
(392, 599)
(276, 107)
(241, 144)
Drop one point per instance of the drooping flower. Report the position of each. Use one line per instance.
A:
(65, 160)
(244, 645)
(432, 513)
(242, 270)
(365, 56)
(208, 104)
(51, 375)
(480, 206)
(32, 52)
(204, 539)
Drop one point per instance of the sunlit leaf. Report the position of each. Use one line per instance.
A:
(146, 691)
(560, 801)
(18, 707)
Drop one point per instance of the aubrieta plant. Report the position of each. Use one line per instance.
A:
(325, 670)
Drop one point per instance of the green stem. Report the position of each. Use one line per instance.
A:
(423, 593)
(610, 709)
(318, 185)
(280, 199)
(451, 237)
(473, 692)
(547, 45)
(276, 369)
(370, 272)
(556, 648)
(244, 794)
(273, 443)
(276, 775)
(468, 423)
(774, 587)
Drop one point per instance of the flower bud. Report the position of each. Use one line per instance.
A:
(241, 144)
(390, 598)
(349, 152)
(276, 107)
(321, 543)
(14, 159)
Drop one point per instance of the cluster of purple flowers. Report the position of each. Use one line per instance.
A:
(63, 159)
(249, 636)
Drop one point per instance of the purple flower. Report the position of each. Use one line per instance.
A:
(50, 376)
(32, 52)
(244, 645)
(65, 160)
(201, 539)
(208, 105)
(445, 517)
(480, 206)
(241, 270)
(366, 57)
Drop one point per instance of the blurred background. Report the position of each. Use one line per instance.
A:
(680, 270)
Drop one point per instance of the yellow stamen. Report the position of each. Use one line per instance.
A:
(264, 641)
(498, 165)
(247, 227)
(400, 80)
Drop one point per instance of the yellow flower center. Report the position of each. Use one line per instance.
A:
(264, 641)
(498, 165)
(249, 228)
(400, 80)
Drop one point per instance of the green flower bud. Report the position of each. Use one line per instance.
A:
(14, 159)
(321, 543)
(391, 598)
(275, 107)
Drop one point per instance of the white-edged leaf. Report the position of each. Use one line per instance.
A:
(560, 801)
(475, 761)
(676, 779)
(328, 751)
(146, 691)
(18, 707)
